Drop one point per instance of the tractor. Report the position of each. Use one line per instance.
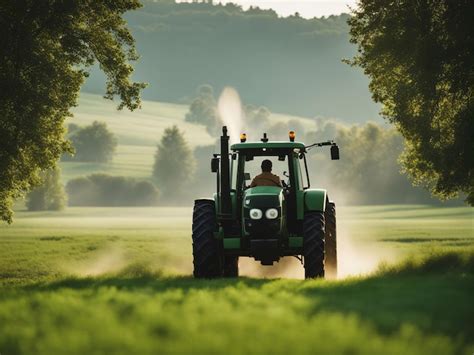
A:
(264, 222)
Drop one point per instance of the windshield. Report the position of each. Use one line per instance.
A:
(253, 167)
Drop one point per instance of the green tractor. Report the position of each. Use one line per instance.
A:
(264, 222)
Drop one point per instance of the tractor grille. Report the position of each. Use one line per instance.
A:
(263, 228)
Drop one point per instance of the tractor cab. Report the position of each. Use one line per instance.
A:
(289, 164)
(264, 222)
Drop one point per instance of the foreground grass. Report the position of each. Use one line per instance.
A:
(106, 280)
(427, 311)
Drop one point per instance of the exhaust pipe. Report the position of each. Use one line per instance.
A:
(225, 201)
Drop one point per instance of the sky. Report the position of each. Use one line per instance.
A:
(306, 8)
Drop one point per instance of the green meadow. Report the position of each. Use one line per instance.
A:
(118, 280)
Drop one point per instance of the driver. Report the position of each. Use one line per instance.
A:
(266, 178)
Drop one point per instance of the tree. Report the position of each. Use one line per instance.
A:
(49, 196)
(418, 55)
(46, 49)
(174, 163)
(203, 109)
(94, 143)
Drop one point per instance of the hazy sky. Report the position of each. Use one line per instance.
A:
(306, 8)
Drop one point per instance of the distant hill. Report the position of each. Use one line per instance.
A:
(290, 65)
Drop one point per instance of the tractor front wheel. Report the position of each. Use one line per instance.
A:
(206, 251)
(313, 245)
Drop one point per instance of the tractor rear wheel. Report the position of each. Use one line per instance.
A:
(206, 250)
(330, 263)
(313, 245)
(231, 266)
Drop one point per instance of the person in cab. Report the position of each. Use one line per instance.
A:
(266, 178)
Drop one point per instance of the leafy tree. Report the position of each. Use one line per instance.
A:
(94, 143)
(203, 109)
(419, 57)
(174, 163)
(49, 196)
(46, 49)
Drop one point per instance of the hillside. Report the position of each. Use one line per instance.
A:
(138, 133)
(291, 65)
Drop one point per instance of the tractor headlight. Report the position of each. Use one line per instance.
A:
(271, 213)
(255, 213)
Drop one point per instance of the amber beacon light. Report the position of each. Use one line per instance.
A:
(292, 136)
(243, 137)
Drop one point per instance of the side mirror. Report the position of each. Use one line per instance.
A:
(246, 176)
(334, 152)
(215, 165)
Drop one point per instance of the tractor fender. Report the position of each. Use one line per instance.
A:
(315, 200)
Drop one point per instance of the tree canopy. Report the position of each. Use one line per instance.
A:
(46, 48)
(93, 143)
(419, 57)
(203, 108)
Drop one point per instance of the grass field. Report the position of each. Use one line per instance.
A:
(105, 280)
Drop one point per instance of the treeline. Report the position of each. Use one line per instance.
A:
(368, 172)
(111, 191)
(288, 64)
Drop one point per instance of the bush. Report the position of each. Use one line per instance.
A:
(111, 191)
(49, 196)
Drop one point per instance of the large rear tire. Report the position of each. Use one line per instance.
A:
(330, 263)
(313, 245)
(231, 266)
(206, 250)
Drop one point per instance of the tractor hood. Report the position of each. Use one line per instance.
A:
(263, 197)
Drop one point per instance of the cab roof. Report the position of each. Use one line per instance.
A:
(269, 145)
